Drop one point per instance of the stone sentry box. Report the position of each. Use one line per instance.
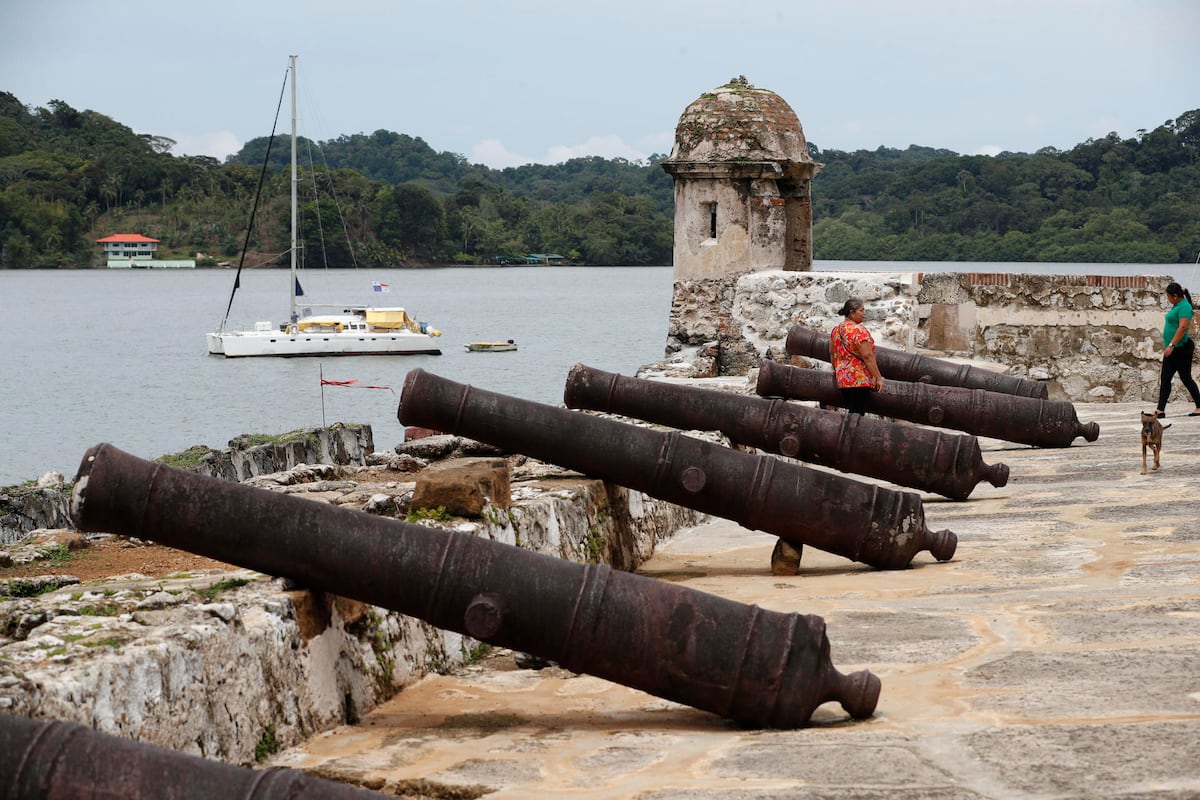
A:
(742, 174)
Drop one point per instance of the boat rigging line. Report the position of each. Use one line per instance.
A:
(237, 279)
(337, 203)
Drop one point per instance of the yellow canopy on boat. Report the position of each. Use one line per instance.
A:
(320, 325)
(388, 319)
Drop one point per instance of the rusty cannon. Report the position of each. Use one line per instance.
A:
(948, 464)
(55, 760)
(661, 638)
(1025, 420)
(915, 368)
(857, 520)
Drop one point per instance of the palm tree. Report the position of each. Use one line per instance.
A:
(109, 193)
(964, 177)
(117, 182)
(52, 239)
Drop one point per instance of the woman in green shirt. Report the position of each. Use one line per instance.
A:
(1180, 347)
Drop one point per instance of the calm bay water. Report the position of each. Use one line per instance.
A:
(119, 356)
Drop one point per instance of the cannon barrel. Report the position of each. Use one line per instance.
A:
(662, 638)
(920, 458)
(902, 366)
(56, 760)
(1026, 420)
(863, 522)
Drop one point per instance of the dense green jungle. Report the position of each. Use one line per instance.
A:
(69, 177)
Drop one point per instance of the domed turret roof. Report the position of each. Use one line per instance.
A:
(739, 122)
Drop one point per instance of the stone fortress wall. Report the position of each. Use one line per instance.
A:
(1093, 338)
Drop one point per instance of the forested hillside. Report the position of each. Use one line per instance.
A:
(69, 177)
(1106, 200)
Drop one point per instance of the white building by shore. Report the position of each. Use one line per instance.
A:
(135, 251)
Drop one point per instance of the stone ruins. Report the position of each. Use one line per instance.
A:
(743, 275)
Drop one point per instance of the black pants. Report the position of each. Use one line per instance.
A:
(855, 398)
(1180, 361)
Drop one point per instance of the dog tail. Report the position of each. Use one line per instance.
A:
(1166, 426)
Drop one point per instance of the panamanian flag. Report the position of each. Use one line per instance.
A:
(381, 288)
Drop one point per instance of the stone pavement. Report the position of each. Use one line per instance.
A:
(1056, 656)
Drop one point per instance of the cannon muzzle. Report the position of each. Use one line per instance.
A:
(662, 638)
(1025, 420)
(863, 522)
(55, 760)
(921, 458)
(902, 366)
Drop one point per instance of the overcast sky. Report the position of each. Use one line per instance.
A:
(509, 82)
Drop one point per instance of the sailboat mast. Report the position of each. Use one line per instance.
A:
(295, 243)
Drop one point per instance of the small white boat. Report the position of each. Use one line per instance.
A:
(491, 347)
(343, 330)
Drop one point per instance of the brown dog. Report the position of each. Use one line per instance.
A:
(1152, 431)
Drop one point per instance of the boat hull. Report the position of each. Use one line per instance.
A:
(249, 344)
(491, 347)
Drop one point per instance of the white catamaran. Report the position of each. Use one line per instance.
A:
(324, 329)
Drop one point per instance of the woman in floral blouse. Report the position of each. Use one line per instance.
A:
(853, 352)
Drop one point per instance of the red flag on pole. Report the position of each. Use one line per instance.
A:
(353, 384)
(350, 384)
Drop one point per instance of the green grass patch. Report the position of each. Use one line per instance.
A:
(267, 745)
(59, 554)
(108, 641)
(98, 611)
(594, 545)
(18, 587)
(257, 439)
(247, 440)
(476, 653)
(210, 593)
(185, 459)
(439, 514)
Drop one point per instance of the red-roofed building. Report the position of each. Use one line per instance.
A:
(128, 245)
(134, 251)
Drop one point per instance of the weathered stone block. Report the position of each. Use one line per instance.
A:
(464, 486)
(946, 330)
